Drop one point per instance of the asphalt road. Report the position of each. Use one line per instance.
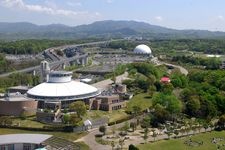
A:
(55, 63)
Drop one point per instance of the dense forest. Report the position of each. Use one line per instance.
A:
(209, 46)
(4, 64)
(201, 94)
(204, 95)
(35, 46)
(18, 79)
(208, 63)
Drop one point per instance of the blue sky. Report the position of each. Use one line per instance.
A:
(178, 14)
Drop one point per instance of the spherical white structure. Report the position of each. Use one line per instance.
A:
(61, 87)
(142, 49)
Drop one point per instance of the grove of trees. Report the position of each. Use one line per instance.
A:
(18, 79)
(34, 46)
(208, 63)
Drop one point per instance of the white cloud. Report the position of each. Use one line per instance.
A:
(20, 4)
(220, 17)
(158, 18)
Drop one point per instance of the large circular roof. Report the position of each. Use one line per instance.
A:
(142, 49)
(62, 88)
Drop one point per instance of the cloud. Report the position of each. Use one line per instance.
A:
(20, 4)
(220, 18)
(158, 18)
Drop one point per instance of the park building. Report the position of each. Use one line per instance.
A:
(16, 104)
(58, 93)
(23, 141)
(108, 103)
(35, 142)
(60, 88)
(143, 49)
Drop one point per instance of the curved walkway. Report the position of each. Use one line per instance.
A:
(89, 139)
(182, 69)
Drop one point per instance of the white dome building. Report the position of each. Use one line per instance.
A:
(61, 88)
(142, 49)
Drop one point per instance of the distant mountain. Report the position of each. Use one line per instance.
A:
(100, 29)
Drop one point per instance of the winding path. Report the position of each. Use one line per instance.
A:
(182, 69)
(89, 139)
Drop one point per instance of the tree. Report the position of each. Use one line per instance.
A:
(154, 135)
(211, 125)
(167, 88)
(102, 129)
(113, 130)
(221, 122)
(193, 106)
(151, 90)
(194, 129)
(79, 107)
(113, 144)
(205, 126)
(160, 115)
(179, 80)
(66, 119)
(170, 102)
(145, 137)
(75, 120)
(133, 125)
(132, 147)
(136, 110)
(126, 127)
(121, 143)
(176, 132)
(146, 121)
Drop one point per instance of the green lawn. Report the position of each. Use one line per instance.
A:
(28, 122)
(83, 146)
(178, 144)
(101, 141)
(112, 115)
(142, 100)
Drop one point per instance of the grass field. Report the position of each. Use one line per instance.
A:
(83, 146)
(112, 115)
(142, 100)
(178, 144)
(28, 122)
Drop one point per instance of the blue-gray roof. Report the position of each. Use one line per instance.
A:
(23, 138)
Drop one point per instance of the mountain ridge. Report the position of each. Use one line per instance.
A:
(99, 29)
